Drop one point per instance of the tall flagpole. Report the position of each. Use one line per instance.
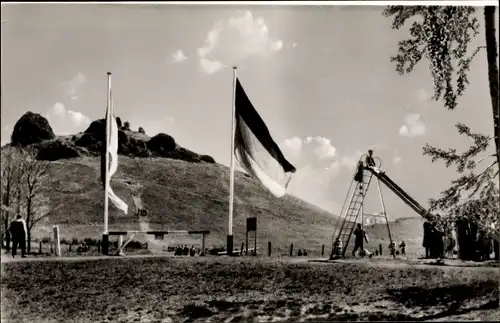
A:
(231, 170)
(105, 235)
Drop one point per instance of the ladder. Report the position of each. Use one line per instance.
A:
(352, 212)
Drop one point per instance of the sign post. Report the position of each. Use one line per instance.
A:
(251, 226)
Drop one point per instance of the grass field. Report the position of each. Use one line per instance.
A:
(241, 289)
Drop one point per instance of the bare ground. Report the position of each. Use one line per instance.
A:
(167, 289)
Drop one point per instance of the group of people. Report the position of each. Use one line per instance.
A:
(185, 251)
(301, 253)
(360, 236)
(438, 243)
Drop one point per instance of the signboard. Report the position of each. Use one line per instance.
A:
(251, 224)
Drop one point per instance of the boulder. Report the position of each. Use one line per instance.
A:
(186, 155)
(55, 150)
(97, 129)
(31, 128)
(207, 159)
(86, 140)
(161, 144)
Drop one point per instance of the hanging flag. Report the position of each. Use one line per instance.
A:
(111, 147)
(256, 150)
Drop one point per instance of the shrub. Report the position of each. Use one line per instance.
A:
(141, 130)
(75, 241)
(63, 241)
(134, 245)
(126, 125)
(90, 241)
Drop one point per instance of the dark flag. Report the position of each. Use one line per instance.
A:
(256, 150)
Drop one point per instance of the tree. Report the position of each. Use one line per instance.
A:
(443, 36)
(141, 130)
(126, 125)
(33, 181)
(10, 185)
(472, 190)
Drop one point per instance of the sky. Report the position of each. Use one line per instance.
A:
(320, 77)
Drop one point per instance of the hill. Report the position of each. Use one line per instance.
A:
(408, 229)
(181, 190)
(185, 196)
(179, 196)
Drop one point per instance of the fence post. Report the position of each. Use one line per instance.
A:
(202, 244)
(57, 240)
(99, 246)
(242, 247)
(70, 246)
(322, 250)
(291, 250)
(120, 241)
(269, 248)
(380, 249)
(40, 248)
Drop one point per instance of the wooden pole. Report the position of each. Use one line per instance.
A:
(202, 244)
(57, 241)
(246, 243)
(231, 170)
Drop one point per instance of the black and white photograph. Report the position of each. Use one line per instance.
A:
(250, 161)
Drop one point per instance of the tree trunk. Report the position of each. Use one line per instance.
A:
(492, 53)
(6, 202)
(28, 225)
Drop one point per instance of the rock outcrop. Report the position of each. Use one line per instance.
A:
(33, 129)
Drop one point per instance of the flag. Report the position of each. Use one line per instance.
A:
(256, 150)
(111, 148)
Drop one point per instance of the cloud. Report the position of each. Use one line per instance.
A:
(412, 127)
(310, 151)
(315, 160)
(396, 159)
(236, 39)
(209, 66)
(73, 86)
(65, 121)
(178, 57)
(422, 95)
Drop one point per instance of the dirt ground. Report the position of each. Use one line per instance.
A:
(245, 289)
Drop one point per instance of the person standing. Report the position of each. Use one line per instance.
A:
(369, 161)
(359, 235)
(18, 232)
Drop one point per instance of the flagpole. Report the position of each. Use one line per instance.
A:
(105, 235)
(231, 170)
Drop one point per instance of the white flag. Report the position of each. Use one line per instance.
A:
(112, 148)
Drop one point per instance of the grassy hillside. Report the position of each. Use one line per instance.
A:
(408, 229)
(186, 196)
(179, 196)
